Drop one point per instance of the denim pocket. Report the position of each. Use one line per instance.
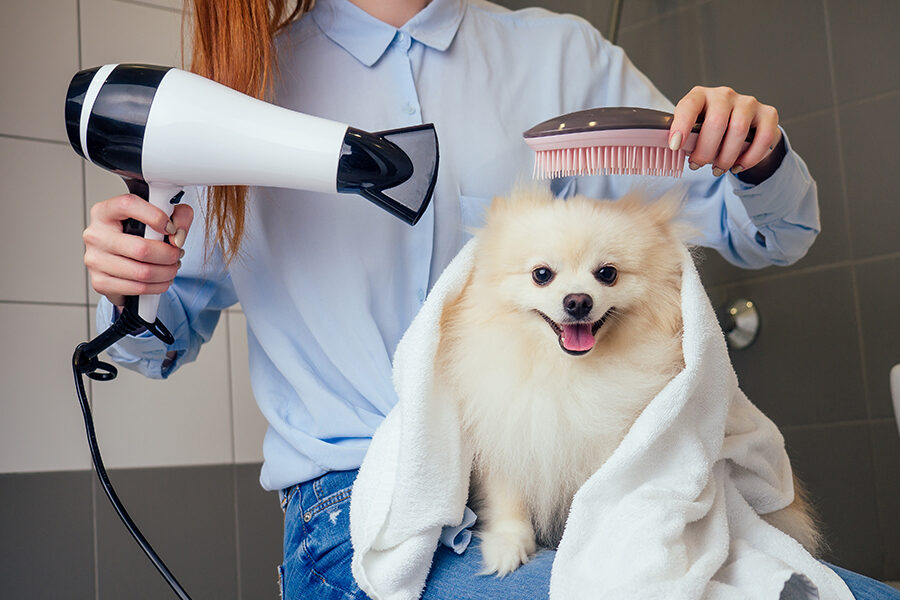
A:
(327, 541)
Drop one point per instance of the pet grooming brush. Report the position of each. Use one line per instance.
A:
(610, 141)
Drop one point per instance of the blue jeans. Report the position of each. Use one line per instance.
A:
(317, 555)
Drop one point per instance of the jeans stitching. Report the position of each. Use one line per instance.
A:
(338, 496)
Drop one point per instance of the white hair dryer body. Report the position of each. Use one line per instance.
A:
(162, 129)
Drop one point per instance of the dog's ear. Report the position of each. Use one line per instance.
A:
(665, 211)
(522, 197)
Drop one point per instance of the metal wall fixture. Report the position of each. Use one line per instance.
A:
(740, 323)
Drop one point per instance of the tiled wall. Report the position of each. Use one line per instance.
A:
(830, 327)
(184, 454)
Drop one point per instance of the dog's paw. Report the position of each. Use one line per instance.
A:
(506, 546)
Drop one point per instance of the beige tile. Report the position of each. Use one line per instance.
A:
(249, 424)
(183, 420)
(41, 221)
(40, 420)
(38, 56)
(124, 32)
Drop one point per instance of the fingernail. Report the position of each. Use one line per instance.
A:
(170, 228)
(717, 171)
(737, 169)
(179, 238)
(675, 141)
(694, 166)
(181, 253)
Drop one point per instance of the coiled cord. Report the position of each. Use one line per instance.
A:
(84, 362)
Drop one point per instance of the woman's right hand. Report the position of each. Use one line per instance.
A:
(122, 264)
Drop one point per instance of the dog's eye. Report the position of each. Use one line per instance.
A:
(542, 275)
(606, 274)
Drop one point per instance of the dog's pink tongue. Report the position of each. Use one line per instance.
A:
(577, 337)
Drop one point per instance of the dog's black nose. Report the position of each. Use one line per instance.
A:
(578, 305)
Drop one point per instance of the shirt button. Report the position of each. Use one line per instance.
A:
(421, 295)
(410, 109)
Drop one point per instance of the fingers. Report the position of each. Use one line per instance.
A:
(182, 217)
(687, 111)
(121, 264)
(767, 137)
(719, 104)
(743, 115)
(727, 119)
(130, 206)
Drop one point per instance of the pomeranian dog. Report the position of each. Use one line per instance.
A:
(567, 328)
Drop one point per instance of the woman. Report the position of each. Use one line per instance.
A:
(328, 284)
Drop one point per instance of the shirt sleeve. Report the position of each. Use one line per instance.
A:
(751, 226)
(190, 309)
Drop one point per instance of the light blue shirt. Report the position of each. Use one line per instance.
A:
(329, 283)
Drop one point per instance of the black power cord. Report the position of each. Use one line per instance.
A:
(84, 362)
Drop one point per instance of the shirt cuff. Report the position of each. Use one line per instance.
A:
(143, 353)
(776, 197)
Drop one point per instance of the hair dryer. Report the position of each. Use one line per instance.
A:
(162, 129)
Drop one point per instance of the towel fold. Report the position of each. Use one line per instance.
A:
(673, 513)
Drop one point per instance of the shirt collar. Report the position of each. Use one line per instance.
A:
(367, 38)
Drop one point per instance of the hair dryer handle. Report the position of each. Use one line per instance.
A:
(163, 196)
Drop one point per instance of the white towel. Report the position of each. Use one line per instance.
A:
(673, 513)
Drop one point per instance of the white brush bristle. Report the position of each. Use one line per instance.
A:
(609, 160)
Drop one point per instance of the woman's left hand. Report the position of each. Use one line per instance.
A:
(727, 117)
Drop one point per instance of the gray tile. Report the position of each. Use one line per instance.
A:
(878, 283)
(869, 138)
(835, 463)
(715, 270)
(815, 140)
(47, 544)
(804, 367)
(776, 52)
(636, 13)
(668, 51)
(886, 455)
(865, 47)
(260, 534)
(574, 7)
(187, 515)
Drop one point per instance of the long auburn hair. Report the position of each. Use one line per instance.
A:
(233, 42)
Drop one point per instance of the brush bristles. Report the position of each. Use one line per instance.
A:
(609, 160)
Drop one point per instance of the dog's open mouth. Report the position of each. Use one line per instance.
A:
(576, 338)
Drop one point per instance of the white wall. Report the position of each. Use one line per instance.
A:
(205, 413)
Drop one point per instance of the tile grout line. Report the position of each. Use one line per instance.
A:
(854, 284)
(237, 529)
(782, 274)
(842, 170)
(880, 508)
(152, 5)
(663, 15)
(87, 317)
(46, 303)
(29, 138)
(843, 178)
(848, 423)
